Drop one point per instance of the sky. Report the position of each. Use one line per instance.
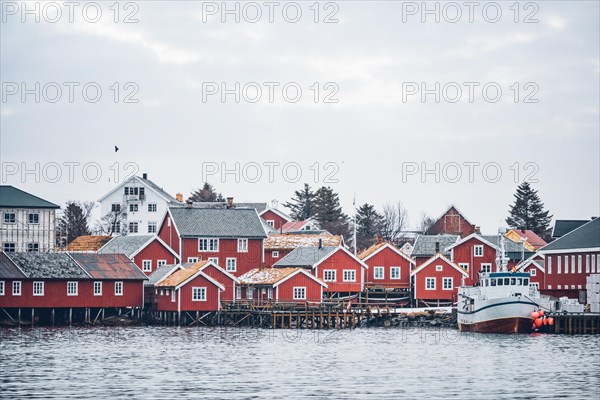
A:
(428, 104)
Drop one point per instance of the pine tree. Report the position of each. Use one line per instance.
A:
(302, 204)
(74, 221)
(206, 194)
(369, 224)
(328, 212)
(528, 211)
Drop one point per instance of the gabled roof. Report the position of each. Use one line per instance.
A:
(11, 197)
(530, 237)
(88, 243)
(184, 275)
(276, 211)
(452, 206)
(131, 245)
(259, 207)
(564, 226)
(540, 264)
(48, 266)
(305, 256)
(161, 273)
(294, 226)
(222, 223)
(377, 247)
(425, 245)
(108, 266)
(435, 258)
(284, 241)
(8, 269)
(146, 183)
(274, 276)
(585, 237)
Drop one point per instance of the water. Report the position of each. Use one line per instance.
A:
(230, 363)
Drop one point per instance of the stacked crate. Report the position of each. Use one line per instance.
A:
(593, 292)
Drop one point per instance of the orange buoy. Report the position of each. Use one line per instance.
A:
(538, 323)
(534, 315)
(545, 321)
(550, 321)
(533, 327)
(540, 313)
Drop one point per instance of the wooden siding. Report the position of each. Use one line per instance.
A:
(421, 293)
(388, 258)
(340, 261)
(269, 260)
(227, 248)
(154, 251)
(569, 283)
(169, 234)
(277, 220)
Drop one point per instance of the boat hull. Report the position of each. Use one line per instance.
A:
(500, 315)
(503, 325)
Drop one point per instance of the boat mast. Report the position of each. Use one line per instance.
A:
(501, 259)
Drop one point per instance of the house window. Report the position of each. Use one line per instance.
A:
(151, 207)
(549, 287)
(579, 262)
(238, 292)
(464, 266)
(275, 254)
(147, 265)
(118, 288)
(38, 288)
(439, 267)
(478, 250)
(72, 288)
(349, 275)
(9, 247)
(133, 207)
(214, 260)
(173, 296)
(533, 272)
(242, 245)
(430, 283)
(97, 288)
(535, 285)
(151, 227)
(33, 218)
(16, 286)
(231, 264)
(329, 275)
(249, 293)
(299, 293)
(573, 265)
(270, 293)
(192, 259)
(378, 272)
(1, 288)
(206, 245)
(10, 218)
(271, 223)
(549, 265)
(33, 247)
(447, 283)
(559, 266)
(486, 268)
(117, 227)
(566, 264)
(133, 227)
(115, 207)
(160, 263)
(394, 272)
(587, 263)
(162, 292)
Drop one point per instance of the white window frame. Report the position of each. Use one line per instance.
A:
(392, 269)
(488, 267)
(430, 279)
(152, 207)
(199, 293)
(33, 247)
(192, 259)
(549, 265)
(331, 272)
(299, 292)
(439, 268)
(579, 263)
(16, 288)
(147, 265)
(242, 245)
(31, 214)
(533, 271)
(131, 227)
(445, 280)
(249, 293)
(72, 285)
(478, 247)
(350, 272)
(211, 245)
(152, 227)
(536, 285)
(173, 296)
(587, 263)
(275, 254)
(160, 263)
(214, 260)
(12, 220)
(118, 288)
(38, 285)
(559, 265)
(2, 288)
(5, 246)
(566, 264)
(97, 288)
(573, 265)
(238, 292)
(229, 268)
(271, 223)
(270, 293)
(381, 270)
(134, 207)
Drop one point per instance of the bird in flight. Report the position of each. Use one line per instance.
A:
(116, 149)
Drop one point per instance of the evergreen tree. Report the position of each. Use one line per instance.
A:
(74, 221)
(369, 224)
(206, 194)
(528, 211)
(328, 212)
(302, 205)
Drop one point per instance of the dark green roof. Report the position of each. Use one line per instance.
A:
(11, 197)
(585, 237)
(564, 226)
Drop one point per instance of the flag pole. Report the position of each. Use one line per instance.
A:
(354, 204)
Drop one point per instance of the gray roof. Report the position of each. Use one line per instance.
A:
(259, 207)
(222, 223)
(425, 245)
(305, 256)
(8, 269)
(127, 245)
(268, 227)
(158, 274)
(585, 237)
(48, 266)
(11, 197)
(158, 189)
(564, 226)
(513, 250)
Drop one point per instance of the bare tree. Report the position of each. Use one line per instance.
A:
(426, 222)
(395, 220)
(113, 222)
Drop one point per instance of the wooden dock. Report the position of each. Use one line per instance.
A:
(575, 323)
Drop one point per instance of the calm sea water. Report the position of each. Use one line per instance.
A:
(230, 363)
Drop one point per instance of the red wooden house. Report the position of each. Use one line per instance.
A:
(477, 253)
(388, 267)
(189, 289)
(275, 218)
(278, 245)
(280, 285)
(535, 266)
(452, 222)
(232, 238)
(436, 281)
(336, 266)
(427, 246)
(148, 252)
(571, 258)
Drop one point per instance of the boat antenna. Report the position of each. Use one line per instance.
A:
(501, 259)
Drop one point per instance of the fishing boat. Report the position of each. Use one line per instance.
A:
(501, 302)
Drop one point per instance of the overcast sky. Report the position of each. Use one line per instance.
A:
(378, 136)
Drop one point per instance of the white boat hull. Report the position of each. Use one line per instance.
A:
(498, 315)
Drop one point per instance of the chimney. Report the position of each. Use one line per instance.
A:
(478, 230)
(229, 202)
(145, 176)
(179, 197)
(320, 243)
(379, 239)
(437, 247)
(189, 204)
